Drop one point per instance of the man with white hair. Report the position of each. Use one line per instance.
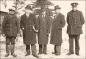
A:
(28, 25)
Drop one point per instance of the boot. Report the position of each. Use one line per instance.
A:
(35, 55)
(7, 50)
(28, 53)
(58, 50)
(54, 50)
(7, 54)
(44, 49)
(12, 51)
(40, 49)
(77, 52)
(27, 50)
(70, 53)
(34, 51)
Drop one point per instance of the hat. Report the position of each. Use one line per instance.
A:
(57, 7)
(28, 7)
(40, 3)
(74, 4)
(43, 10)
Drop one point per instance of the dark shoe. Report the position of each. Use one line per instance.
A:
(39, 53)
(57, 54)
(45, 53)
(14, 55)
(7, 50)
(12, 50)
(36, 56)
(7, 55)
(70, 53)
(53, 53)
(27, 54)
(77, 54)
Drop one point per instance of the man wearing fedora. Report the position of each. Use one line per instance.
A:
(44, 23)
(28, 26)
(75, 20)
(56, 30)
(10, 28)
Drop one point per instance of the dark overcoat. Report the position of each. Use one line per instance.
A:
(75, 20)
(10, 25)
(44, 24)
(28, 23)
(56, 31)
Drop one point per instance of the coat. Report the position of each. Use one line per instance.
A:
(75, 20)
(56, 31)
(44, 24)
(10, 25)
(28, 23)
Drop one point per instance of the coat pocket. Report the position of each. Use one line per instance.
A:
(59, 28)
(79, 27)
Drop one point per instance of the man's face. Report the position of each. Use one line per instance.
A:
(44, 12)
(74, 8)
(28, 11)
(58, 11)
(11, 12)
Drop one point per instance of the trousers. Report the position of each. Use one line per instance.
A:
(33, 49)
(73, 38)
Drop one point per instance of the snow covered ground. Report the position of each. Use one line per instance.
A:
(20, 49)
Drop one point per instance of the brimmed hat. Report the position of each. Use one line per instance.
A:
(57, 7)
(74, 4)
(43, 10)
(41, 3)
(28, 7)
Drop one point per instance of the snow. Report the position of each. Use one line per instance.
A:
(20, 49)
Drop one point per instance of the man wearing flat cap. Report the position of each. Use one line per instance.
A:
(56, 30)
(75, 20)
(28, 26)
(10, 29)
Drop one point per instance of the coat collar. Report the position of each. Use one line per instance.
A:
(74, 11)
(57, 15)
(27, 16)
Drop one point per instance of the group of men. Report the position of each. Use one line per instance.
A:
(43, 25)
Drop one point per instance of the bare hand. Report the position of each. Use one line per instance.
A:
(3, 35)
(36, 30)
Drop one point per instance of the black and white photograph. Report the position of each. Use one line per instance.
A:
(42, 29)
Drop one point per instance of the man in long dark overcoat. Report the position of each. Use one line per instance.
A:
(28, 25)
(75, 20)
(10, 28)
(44, 23)
(56, 30)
